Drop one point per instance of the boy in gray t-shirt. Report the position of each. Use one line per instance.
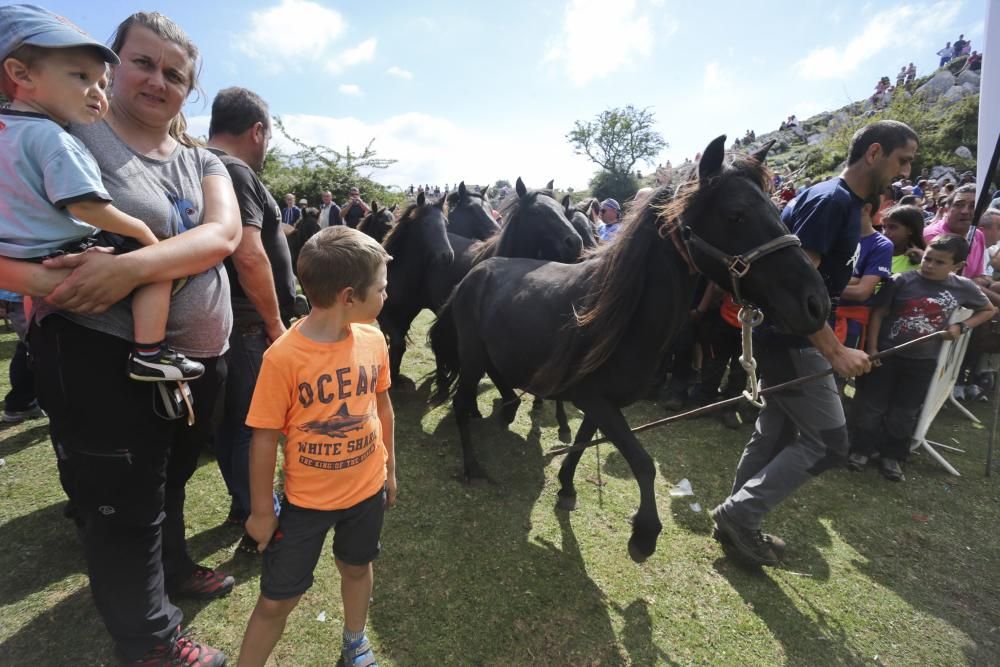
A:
(916, 303)
(52, 199)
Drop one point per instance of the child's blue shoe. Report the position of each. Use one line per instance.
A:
(358, 654)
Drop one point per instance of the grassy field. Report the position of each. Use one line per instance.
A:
(876, 573)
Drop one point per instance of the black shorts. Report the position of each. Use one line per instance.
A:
(291, 557)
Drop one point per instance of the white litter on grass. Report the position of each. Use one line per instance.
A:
(683, 488)
(695, 507)
(322, 617)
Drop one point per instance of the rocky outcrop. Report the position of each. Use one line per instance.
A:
(937, 85)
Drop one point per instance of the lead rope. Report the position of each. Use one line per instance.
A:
(750, 317)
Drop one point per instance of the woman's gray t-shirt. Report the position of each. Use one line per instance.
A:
(167, 196)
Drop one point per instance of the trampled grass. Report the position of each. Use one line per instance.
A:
(876, 573)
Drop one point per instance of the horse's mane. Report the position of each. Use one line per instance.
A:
(618, 275)
(397, 233)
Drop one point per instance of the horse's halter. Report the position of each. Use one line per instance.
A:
(737, 265)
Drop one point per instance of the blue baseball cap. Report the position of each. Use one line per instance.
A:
(611, 203)
(28, 24)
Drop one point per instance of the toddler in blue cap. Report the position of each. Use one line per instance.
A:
(52, 200)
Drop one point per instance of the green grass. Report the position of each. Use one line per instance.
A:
(876, 573)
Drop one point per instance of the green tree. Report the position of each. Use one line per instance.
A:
(617, 139)
(621, 187)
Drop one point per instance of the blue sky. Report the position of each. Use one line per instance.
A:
(481, 91)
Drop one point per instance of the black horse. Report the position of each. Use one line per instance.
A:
(419, 246)
(580, 222)
(594, 332)
(470, 214)
(378, 223)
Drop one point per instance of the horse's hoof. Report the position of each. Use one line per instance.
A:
(566, 503)
(636, 553)
(509, 412)
(565, 435)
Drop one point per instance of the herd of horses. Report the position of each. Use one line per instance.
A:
(536, 306)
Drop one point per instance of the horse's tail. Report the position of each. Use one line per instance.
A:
(443, 337)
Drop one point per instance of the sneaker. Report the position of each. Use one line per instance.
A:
(18, 416)
(358, 654)
(204, 584)
(856, 462)
(182, 650)
(891, 470)
(167, 365)
(750, 544)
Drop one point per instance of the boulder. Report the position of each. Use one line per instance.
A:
(953, 94)
(937, 85)
(968, 76)
(940, 172)
(964, 153)
(970, 88)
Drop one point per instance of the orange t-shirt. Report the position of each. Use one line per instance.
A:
(322, 397)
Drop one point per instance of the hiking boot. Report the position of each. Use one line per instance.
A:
(776, 542)
(182, 650)
(18, 416)
(204, 584)
(856, 462)
(891, 470)
(749, 544)
(167, 365)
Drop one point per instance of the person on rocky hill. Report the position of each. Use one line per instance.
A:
(945, 54)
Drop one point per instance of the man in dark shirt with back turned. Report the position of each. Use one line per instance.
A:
(260, 278)
(802, 431)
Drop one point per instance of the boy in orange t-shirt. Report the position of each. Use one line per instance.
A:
(324, 385)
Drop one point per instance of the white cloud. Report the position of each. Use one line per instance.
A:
(350, 89)
(286, 33)
(714, 78)
(906, 25)
(399, 73)
(628, 33)
(436, 150)
(362, 53)
(298, 33)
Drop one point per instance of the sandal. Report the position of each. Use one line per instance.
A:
(358, 654)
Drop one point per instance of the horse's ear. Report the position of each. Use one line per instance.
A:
(392, 209)
(551, 184)
(711, 159)
(761, 154)
(484, 191)
(462, 192)
(421, 199)
(519, 187)
(566, 201)
(440, 202)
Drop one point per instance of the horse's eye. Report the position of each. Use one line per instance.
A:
(736, 218)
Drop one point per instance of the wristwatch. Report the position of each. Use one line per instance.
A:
(963, 328)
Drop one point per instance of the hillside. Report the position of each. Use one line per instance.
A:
(943, 108)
